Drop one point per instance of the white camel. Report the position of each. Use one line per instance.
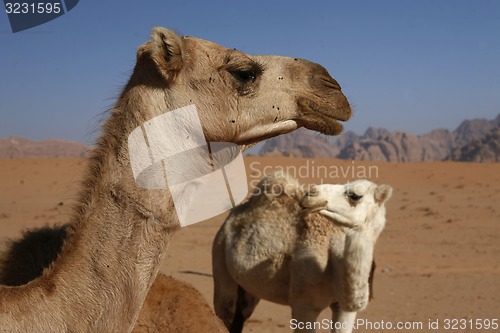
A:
(307, 250)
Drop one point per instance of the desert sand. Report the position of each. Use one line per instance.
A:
(437, 259)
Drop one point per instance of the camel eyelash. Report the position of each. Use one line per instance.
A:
(245, 73)
(235, 63)
(252, 66)
(258, 66)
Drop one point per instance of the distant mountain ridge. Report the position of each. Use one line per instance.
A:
(18, 147)
(476, 140)
(473, 140)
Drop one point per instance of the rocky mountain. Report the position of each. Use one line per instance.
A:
(400, 147)
(17, 147)
(300, 143)
(485, 149)
(473, 140)
(471, 130)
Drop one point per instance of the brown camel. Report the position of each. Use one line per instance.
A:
(171, 306)
(119, 231)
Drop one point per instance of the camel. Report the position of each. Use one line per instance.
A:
(170, 306)
(306, 250)
(120, 231)
(173, 306)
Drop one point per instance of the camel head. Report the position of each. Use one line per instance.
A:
(357, 204)
(240, 98)
(360, 208)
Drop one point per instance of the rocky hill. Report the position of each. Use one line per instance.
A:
(473, 140)
(303, 143)
(17, 147)
(485, 149)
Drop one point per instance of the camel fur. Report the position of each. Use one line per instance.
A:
(120, 232)
(306, 249)
(171, 306)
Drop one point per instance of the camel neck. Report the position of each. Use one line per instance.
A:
(118, 238)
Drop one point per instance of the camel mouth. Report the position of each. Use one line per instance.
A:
(325, 120)
(310, 205)
(328, 214)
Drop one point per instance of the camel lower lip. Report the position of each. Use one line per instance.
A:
(309, 207)
(312, 107)
(316, 118)
(325, 125)
(310, 210)
(313, 209)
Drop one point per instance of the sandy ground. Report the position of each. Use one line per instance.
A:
(437, 259)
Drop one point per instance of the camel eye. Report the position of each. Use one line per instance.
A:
(353, 196)
(244, 76)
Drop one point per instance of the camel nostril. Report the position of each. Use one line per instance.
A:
(331, 83)
(320, 78)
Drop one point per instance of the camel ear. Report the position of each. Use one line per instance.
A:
(383, 193)
(166, 52)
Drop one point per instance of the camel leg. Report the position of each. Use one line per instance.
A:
(370, 280)
(225, 288)
(304, 317)
(343, 320)
(244, 308)
(225, 298)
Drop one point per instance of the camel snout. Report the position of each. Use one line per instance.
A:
(311, 203)
(321, 79)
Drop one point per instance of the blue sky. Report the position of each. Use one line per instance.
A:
(404, 65)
